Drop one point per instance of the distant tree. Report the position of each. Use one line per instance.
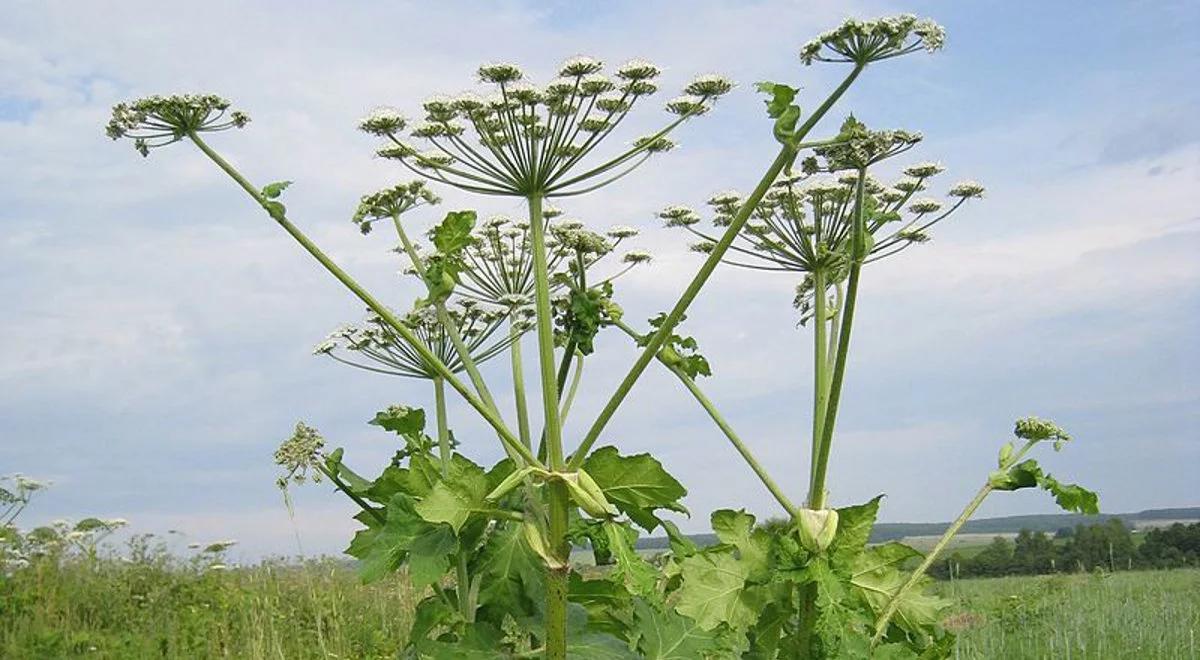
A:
(1107, 545)
(994, 560)
(1064, 533)
(1171, 547)
(1033, 552)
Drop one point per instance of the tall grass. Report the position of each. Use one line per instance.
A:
(155, 607)
(114, 609)
(1146, 615)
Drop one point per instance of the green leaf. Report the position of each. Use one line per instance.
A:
(274, 190)
(454, 232)
(781, 97)
(736, 528)
(401, 420)
(404, 536)
(854, 530)
(511, 574)
(637, 485)
(608, 604)
(664, 634)
(429, 554)
(1025, 474)
(431, 614)
(877, 580)
(887, 555)
(355, 482)
(1072, 497)
(712, 590)
(638, 576)
(681, 545)
(841, 628)
(597, 646)
(451, 503)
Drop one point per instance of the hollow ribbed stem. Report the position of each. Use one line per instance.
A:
(722, 424)
(894, 604)
(576, 377)
(518, 378)
(462, 582)
(816, 493)
(506, 436)
(672, 319)
(342, 486)
(559, 499)
(460, 347)
(820, 372)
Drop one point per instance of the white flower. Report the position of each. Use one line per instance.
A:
(709, 85)
(679, 216)
(924, 205)
(382, 121)
(923, 170)
(687, 105)
(967, 189)
(580, 66)
(622, 231)
(595, 84)
(637, 257)
(638, 70)
(725, 198)
(500, 72)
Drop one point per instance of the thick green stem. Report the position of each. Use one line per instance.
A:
(518, 378)
(557, 576)
(894, 604)
(341, 485)
(820, 373)
(559, 504)
(722, 424)
(737, 443)
(451, 328)
(506, 436)
(576, 377)
(464, 354)
(785, 157)
(462, 581)
(816, 493)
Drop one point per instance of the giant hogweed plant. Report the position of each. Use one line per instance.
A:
(492, 545)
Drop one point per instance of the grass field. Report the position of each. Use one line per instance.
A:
(113, 609)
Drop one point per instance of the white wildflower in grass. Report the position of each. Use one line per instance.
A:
(300, 456)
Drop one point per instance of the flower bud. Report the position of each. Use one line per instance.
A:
(817, 528)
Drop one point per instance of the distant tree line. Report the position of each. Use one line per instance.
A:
(1109, 546)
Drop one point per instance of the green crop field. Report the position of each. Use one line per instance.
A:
(152, 609)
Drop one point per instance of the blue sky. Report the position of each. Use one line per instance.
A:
(156, 341)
